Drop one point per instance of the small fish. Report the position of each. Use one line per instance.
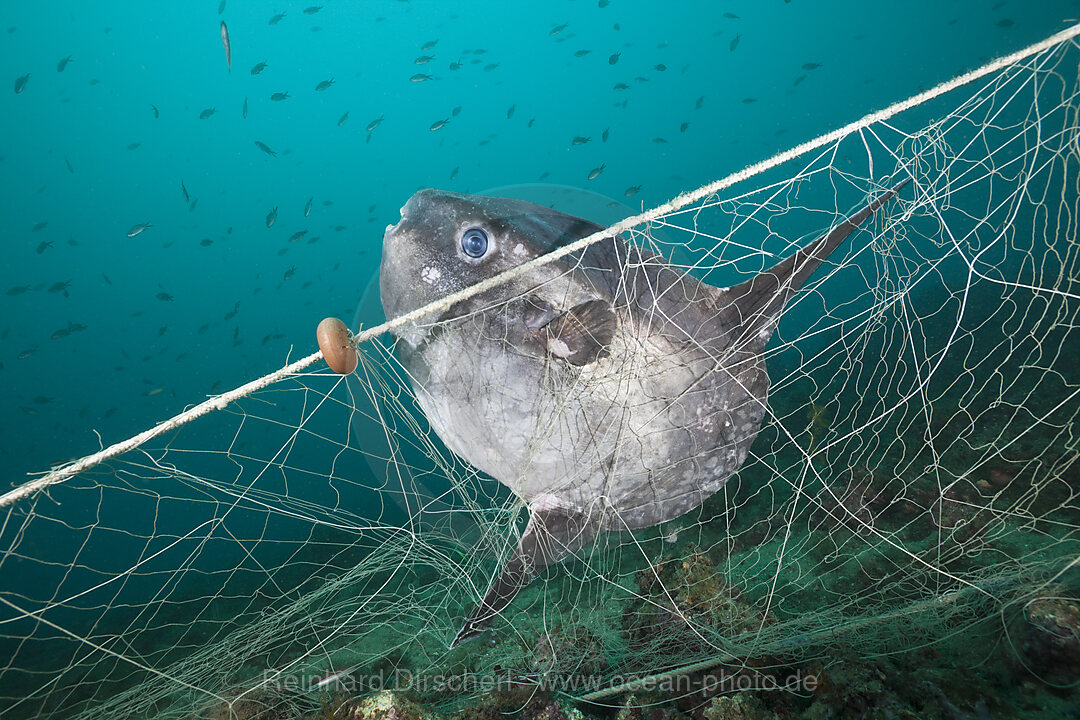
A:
(20, 83)
(429, 44)
(492, 66)
(296, 236)
(265, 148)
(659, 141)
(558, 29)
(38, 227)
(68, 163)
(138, 229)
(221, 7)
(420, 77)
(613, 58)
(276, 19)
(289, 273)
(811, 66)
(43, 246)
(58, 287)
(313, 9)
(632, 190)
(156, 113)
(582, 53)
(595, 172)
(307, 208)
(225, 43)
(682, 128)
(28, 353)
(455, 111)
(735, 42)
(423, 59)
(330, 681)
(207, 113)
(454, 173)
(796, 81)
(343, 119)
(63, 64)
(374, 123)
(699, 103)
(244, 111)
(456, 65)
(731, 16)
(621, 86)
(271, 217)
(749, 101)
(439, 124)
(183, 189)
(134, 145)
(578, 140)
(206, 242)
(510, 111)
(258, 68)
(604, 135)
(155, 391)
(1006, 23)
(324, 85)
(279, 96)
(660, 68)
(191, 208)
(164, 297)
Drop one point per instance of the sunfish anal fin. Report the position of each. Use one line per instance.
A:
(582, 333)
(552, 534)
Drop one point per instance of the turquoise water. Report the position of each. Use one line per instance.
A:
(209, 297)
(104, 335)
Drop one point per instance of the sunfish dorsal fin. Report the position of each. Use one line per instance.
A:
(755, 303)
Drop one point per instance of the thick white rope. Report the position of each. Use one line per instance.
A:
(60, 474)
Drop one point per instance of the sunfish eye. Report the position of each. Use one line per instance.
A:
(474, 243)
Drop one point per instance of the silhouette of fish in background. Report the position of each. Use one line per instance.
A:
(609, 390)
(225, 42)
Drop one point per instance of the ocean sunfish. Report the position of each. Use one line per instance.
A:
(609, 390)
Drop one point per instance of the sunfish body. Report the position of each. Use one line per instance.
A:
(609, 390)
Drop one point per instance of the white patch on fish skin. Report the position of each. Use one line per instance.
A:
(430, 275)
(519, 249)
(558, 348)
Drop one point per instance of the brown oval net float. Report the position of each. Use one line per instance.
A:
(335, 342)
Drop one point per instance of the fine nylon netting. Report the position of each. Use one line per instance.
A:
(915, 477)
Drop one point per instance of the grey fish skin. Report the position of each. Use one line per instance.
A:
(521, 381)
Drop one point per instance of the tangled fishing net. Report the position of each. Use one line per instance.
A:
(915, 478)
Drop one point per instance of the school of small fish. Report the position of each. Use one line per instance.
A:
(427, 67)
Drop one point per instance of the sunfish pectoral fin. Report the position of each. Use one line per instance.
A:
(755, 303)
(582, 333)
(552, 534)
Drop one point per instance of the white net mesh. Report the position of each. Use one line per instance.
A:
(915, 477)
